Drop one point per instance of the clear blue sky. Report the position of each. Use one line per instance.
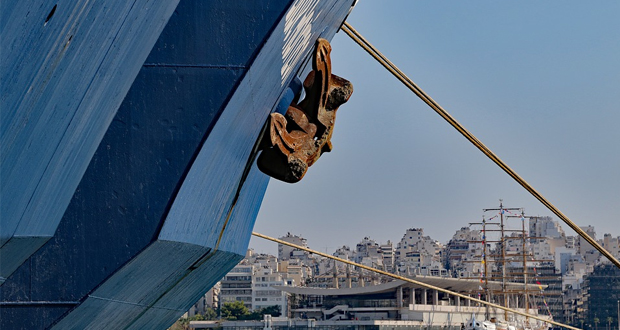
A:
(537, 81)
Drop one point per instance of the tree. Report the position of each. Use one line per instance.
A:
(234, 310)
(210, 314)
(258, 314)
(274, 310)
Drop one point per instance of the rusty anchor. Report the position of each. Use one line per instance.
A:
(297, 139)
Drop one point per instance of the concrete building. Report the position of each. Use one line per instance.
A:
(415, 251)
(545, 227)
(295, 272)
(462, 253)
(286, 252)
(583, 247)
(253, 284)
(343, 252)
(612, 244)
(262, 260)
(237, 285)
(562, 258)
(264, 293)
(571, 242)
(368, 249)
(602, 293)
(389, 256)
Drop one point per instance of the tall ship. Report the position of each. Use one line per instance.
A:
(506, 255)
(130, 134)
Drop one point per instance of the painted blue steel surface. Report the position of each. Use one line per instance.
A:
(66, 67)
(140, 241)
(190, 219)
(199, 215)
(119, 206)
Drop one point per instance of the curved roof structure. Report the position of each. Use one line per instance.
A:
(452, 284)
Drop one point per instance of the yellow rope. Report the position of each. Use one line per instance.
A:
(398, 277)
(348, 29)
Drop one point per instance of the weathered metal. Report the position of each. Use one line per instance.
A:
(297, 139)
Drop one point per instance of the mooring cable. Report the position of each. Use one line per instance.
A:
(406, 279)
(351, 32)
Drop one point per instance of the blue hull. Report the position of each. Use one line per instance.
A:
(66, 67)
(167, 203)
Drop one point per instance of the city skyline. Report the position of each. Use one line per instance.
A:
(271, 248)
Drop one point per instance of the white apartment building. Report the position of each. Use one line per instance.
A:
(369, 249)
(343, 252)
(462, 252)
(545, 227)
(415, 251)
(286, 252)
(389, 256)
(237, 285)
(263, 293)
(583, 247)
(612, 244)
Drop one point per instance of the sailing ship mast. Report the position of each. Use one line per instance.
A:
(485, 262)
(525, 294)
(502, 256)
(524, 256)
(486, 267)
(502, 242)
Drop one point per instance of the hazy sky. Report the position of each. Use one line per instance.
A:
(538, 82)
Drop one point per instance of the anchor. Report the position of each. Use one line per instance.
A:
(298, 138)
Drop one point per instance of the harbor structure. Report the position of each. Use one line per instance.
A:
(394, 300)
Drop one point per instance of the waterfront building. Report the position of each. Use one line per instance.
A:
(311, 324)
(394, 300)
